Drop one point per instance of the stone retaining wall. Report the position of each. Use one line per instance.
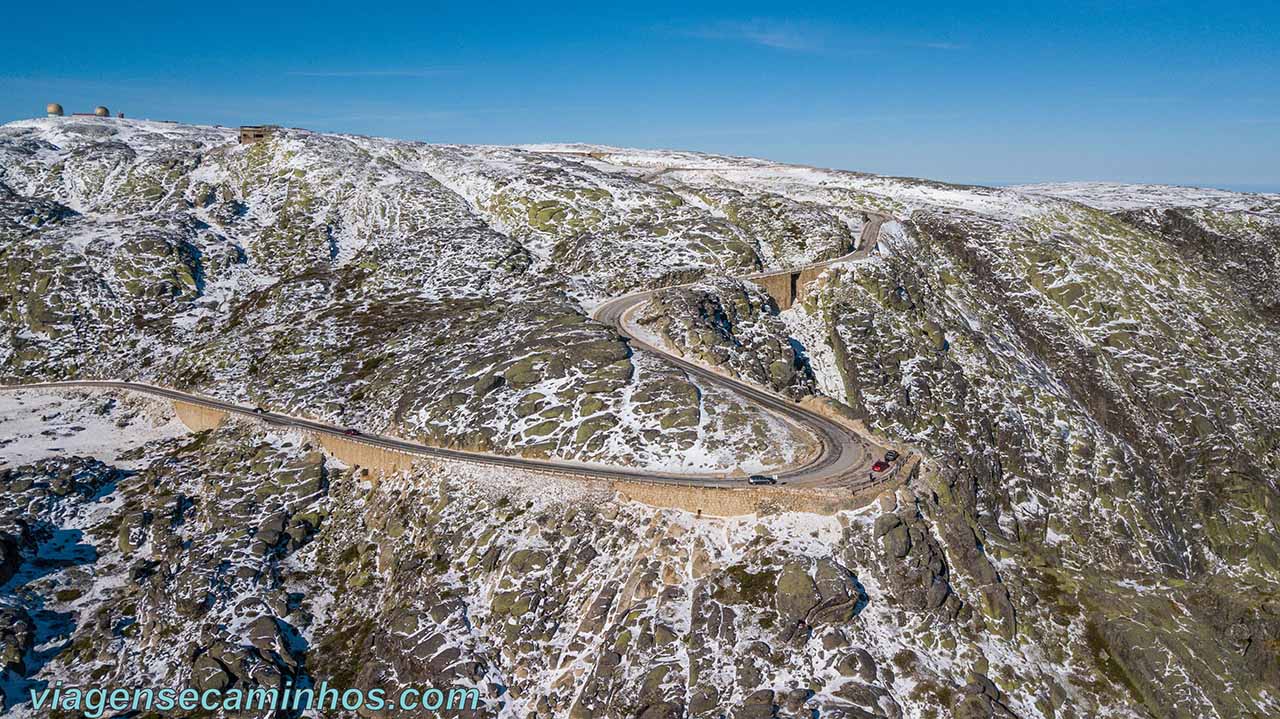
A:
(706, 501)
(805, 282)
(787, 288)
(356, 453)
(779, 288)
(197, 417)
(724, 502)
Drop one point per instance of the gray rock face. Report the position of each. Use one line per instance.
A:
(732, 325)
(1242, 247)
(919, 570)
(1027, 371)
(782, 226)
(796, 594)
(11, 545)
(17, 637)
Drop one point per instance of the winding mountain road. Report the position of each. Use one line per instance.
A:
(844, 459)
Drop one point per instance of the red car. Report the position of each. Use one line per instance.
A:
(351, 432)
(880, 466)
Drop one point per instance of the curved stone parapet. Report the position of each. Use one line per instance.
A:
(736, 502)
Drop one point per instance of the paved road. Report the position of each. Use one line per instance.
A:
(844, 459)
(483, 458)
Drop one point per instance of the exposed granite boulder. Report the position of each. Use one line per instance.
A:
(731, 325)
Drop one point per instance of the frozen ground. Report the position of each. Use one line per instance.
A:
(1119, 196)
(36, 425)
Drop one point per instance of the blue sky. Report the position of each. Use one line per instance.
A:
(993, 92)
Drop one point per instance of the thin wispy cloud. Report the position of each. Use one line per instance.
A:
(806, 37)
(424, 72)
(1143, 100)
(777, 34)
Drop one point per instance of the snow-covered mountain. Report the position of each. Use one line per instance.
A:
(1091, 371)
(337, 277)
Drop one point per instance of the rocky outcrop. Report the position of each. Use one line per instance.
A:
(17, 637)
(918, 569)
(1055, 444)
(788, 232)
(1241, 248)
(730, 325)
(12, 543)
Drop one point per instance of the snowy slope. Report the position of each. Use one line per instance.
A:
(1089, 372)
